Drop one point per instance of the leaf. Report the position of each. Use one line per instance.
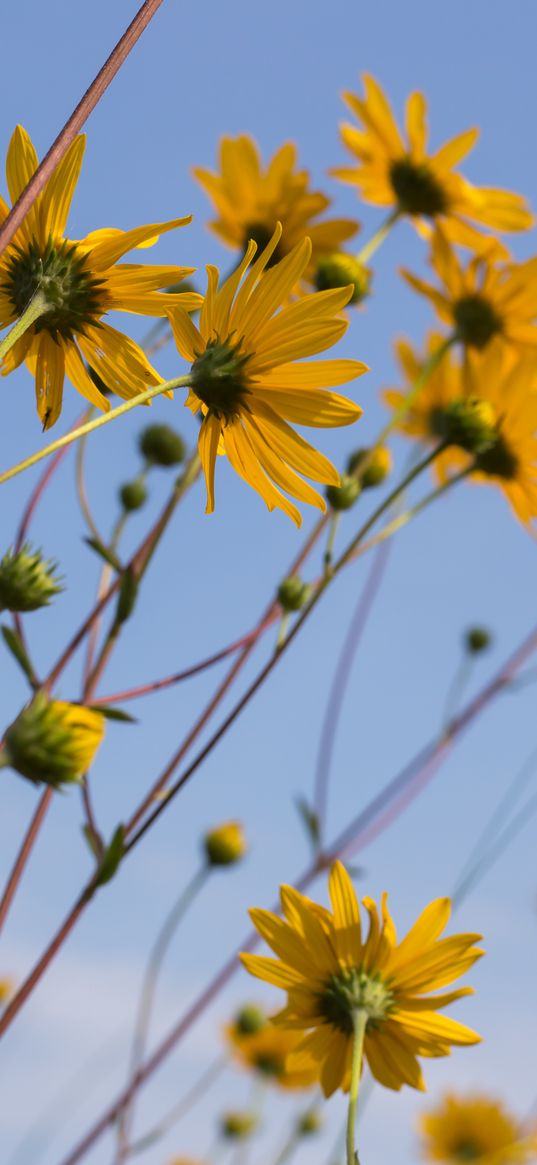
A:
(111, 713)
(104, 552)
(94, 841)
(111, 858)
(309, 820)
(15, 645)
(128, 592)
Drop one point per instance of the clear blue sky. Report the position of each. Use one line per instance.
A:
(275, 71)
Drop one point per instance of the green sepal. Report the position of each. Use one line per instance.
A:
(310, 821)
(104, 552)
(15, 645)
(110, 713)
(111, 858)
(128, 592)
(94, 841)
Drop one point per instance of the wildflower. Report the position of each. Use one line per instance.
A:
(402, 174)
(247, 382)
(266, 1052)
(483, 300)
(27, 581)
(250, 201)
(474, 1128)
(330, 973)
(81, 281)
(225, 845)
(52, 742)
(238, 1125)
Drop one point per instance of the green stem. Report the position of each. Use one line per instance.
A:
(37, 307)
(378, 238)
(359, 1023)
(282, 631)
(329, 552)
(91, 426)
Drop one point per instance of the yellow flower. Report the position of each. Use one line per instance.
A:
(52, 741)
(401, 174)
(483, 300)
(250, 201)
(247, 384)
(474, 1128)
(329, 971)
(82, 281)
(6, 987)
(496, 392)
(266, 1052)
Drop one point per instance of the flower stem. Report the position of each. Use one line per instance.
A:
(378, 238)
(91, 426)
(359, 1022)
(329, 552)
(36, 308)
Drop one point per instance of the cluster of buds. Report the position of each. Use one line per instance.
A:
(365, 469)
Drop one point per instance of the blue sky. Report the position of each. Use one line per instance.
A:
(277, 73)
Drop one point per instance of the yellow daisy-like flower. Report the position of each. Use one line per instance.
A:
(424, 186)
(330, 972)
(81, 281)
(475, 1128)
(488, 406)
(248, 385)
(483, 300)
(250, 200)
(266, 1052)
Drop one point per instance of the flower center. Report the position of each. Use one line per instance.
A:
(350, 991)
(476, 320)
(467, 1150)
(416, 188)
(74, 296)
(499, 460)
(219, 380)
(261, 234)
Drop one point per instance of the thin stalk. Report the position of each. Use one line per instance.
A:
(81, 483)
(377, 239)
(36, 308)
(24, 853)
(330, 542)
(403, 519)
(197, 1092)
(359, 1023)
(91, 426)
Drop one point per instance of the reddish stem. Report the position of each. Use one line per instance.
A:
(23, 854)
(77, 119)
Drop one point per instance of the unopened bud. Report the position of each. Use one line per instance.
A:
(53, 742)
(249, 1020)
(310, 1122)
(162, 446)
(477, 639)
(469, 423)
(293, 593)
(339, 270)
(225, 845)
(342, 497)
(378, 465)
(133, 494)
(27, 582)
(238, 1125)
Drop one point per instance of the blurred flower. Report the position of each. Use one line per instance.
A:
(266, 1052)
(53, 742)
(483, 300)
(250, 201)
(477, 639)
(393, 172)
(379, 466)
(338, 270)
(247, 383)
(225, 845)
(27, 581)
(292, 593)
(81, 281)
(6, 987)
(475, 1128)
(238, 1125)
(329, 973)
(161, 445)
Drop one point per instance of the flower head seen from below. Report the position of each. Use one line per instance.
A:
(250, 200)
(27, 580)
(330, 971)
(266, 1051)
(80, 282)
(52, 742)
(483, 300)
(475, 1128)
(248, 381)
(393, 172)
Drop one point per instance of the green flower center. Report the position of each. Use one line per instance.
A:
(416, 188)
(261, 233)
(467, 1150)
(476, 321)
(74, 295)
(219, 380)
(353, 990)
(469, 423)
(499, 461)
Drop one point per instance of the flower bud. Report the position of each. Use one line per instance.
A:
(133, 494)
(249, 1020)
(53, 742)
(225, 845)
(469, 423)
(310, 1122)
(339, 270)
(6, 989)
(378, 467)
(477, 639)
(292, 593)
(27, 582)
(342, 497)
(162, 446)
(238, 1125)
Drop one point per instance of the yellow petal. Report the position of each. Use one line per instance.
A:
(208, 441)
(115, 244)
(59, 190)
(49, 377)
(21, 165)
(416, 125)
(79, 376)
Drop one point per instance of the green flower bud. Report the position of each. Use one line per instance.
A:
(238, 1125)
(342, 497)
(292, 593)
(249, 1020)
(53, 742)
(469, 423)
(162, 446)
(378, 468)
(27, 582)
(310, 1122)
(133, 494)
(340, 269)
(477, 639)
(225, 845)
